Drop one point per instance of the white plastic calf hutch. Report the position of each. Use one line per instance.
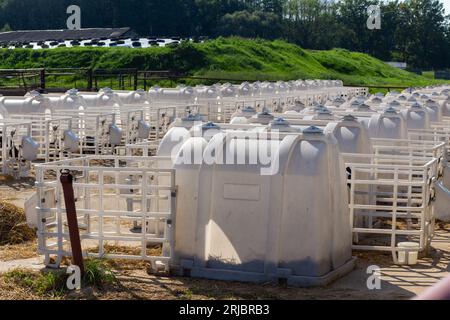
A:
(139, 96)
(71, 100)
(33, 102)
(179, 95)
(416, 117)
(241, 225)
(106, 97)
(390, 125)
(434, 111)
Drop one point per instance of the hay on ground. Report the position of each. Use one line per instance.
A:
(13, 225)
(6, 178)
(25, 250)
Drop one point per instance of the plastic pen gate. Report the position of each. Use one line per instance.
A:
(125, 206)
(54, 135)
(17, 148)
(391, 200)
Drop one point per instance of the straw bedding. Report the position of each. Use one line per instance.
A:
(13, 226)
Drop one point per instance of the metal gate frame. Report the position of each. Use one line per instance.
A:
(411, 179)
(104, 226)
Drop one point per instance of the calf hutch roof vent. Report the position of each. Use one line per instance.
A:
(82, 34)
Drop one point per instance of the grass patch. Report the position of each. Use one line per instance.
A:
(98, 273)
(49, 283)
(429, 74)
(52, 283)
(25, 250)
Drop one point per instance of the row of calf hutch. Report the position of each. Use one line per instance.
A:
(278, 191)
(77, 123)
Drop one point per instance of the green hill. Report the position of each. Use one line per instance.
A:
(233, 58)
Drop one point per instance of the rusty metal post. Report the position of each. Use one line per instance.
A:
(72, 221)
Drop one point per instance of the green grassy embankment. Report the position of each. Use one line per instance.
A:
(223, 58)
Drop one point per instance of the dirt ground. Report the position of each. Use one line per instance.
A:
(134, 282)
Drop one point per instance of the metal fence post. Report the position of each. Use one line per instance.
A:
(89, 79)
(135, 75)
(42, 79)
(72, 220)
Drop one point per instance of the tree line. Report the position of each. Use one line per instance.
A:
(415, 31)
